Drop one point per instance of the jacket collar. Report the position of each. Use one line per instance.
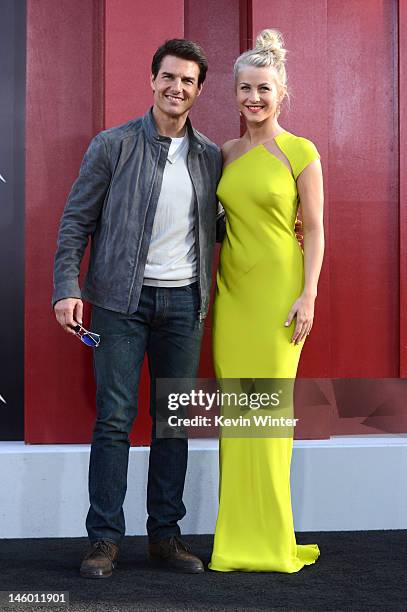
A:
(196, 141)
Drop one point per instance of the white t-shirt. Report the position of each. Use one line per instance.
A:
(171, 259)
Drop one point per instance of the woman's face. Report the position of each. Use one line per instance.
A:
(257, 93)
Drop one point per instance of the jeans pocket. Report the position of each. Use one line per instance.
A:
(193, 288)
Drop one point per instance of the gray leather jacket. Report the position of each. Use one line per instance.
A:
(114, 200)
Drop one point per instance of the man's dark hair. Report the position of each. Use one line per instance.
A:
(185, 49)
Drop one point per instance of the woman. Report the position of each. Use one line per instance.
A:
(264, 306)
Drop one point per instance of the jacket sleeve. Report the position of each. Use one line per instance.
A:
(220, 217)
(79, 219)
(220, 223)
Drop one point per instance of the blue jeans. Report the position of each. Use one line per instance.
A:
(165, 326)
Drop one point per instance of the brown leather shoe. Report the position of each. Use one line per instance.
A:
(100, 560)
(172, 553)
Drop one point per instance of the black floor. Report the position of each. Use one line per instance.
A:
(357, 571)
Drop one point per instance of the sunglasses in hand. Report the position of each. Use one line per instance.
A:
(87, 337)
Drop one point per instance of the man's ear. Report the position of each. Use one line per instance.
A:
(200, 89)
(152, 79)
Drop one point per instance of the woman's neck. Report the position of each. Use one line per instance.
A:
(261, 132)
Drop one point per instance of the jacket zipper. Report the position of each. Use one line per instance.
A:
(197, 247)
(142, 233)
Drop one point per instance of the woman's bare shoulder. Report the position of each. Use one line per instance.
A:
(229, 147)
(229, 144)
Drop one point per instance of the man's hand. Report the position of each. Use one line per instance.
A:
(298, 232)
(69, 312)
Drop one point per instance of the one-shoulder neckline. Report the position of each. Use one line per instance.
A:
(263, 146)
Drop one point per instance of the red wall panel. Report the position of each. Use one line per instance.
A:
(215, 25)
(363, 252)
(402, 66)
(64, 111)
(133, 31)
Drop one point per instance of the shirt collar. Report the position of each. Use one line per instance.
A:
(180, 151)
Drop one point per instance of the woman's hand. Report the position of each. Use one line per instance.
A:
(303, 310)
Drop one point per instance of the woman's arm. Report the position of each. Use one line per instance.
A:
(311, 193)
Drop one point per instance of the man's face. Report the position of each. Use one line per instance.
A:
(175, 88)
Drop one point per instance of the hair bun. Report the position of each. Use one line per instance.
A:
(271, 41)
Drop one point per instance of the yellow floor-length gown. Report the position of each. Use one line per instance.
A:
(261, 274)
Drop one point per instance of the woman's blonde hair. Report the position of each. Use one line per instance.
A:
(268, 52)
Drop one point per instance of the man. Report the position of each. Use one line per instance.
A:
(146, 194)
